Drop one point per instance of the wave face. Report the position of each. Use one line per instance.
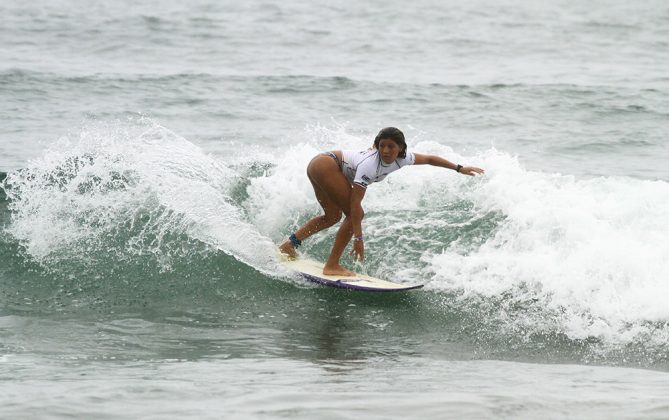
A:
(512, 258)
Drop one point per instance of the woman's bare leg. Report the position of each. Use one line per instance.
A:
(332, 192)
(332, 216)
(332, 266)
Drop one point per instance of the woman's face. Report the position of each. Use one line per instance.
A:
(389, 150)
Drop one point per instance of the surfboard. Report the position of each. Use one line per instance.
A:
(313, 271)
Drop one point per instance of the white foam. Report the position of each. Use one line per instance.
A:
(64, 199)
(592, 250)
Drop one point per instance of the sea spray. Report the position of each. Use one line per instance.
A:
(128, 188)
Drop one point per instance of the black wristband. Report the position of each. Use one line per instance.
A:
(458, 168)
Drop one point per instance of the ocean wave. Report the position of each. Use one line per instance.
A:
(141, 180)
(529, 255)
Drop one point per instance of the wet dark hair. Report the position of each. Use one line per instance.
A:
(394, 134)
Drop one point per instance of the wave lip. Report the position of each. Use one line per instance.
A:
(128, 188)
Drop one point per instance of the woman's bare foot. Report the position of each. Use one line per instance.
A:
(337, 270)
(288, 249)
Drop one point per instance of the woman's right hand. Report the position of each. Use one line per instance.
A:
(471, 170)
(358, 252)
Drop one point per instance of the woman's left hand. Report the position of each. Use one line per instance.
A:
(471, 170)
(358, 252)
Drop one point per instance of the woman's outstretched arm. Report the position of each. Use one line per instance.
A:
(443, 163)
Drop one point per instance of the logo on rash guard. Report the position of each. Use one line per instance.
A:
(364, 182)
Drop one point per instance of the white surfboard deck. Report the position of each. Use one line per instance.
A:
(313, 271)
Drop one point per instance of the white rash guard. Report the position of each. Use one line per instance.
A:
(365, 167)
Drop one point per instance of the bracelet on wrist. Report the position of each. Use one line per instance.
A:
(458, 168)
(358, 238)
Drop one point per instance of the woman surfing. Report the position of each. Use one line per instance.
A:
(340, 179)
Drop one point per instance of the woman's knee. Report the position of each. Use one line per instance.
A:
(348, 214)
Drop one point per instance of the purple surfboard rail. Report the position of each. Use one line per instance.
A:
(341, 284)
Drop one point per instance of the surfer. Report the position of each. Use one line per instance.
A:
(340, 179)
